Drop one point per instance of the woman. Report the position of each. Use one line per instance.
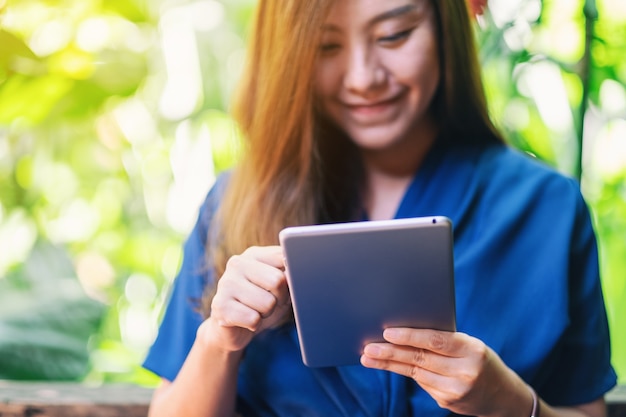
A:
(368, 109)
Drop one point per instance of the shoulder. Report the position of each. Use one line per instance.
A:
(520, 177)
(521, 197)
(212, 200)
(508, 162)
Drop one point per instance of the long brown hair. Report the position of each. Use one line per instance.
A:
(297, 169)
(460, 105)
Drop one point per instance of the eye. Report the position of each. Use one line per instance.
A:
(329, 47)
(397, 37)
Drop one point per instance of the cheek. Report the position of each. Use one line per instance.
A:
(326, 75)
(417, 64)
(421, 72)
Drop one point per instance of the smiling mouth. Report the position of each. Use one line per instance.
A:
(371, 109)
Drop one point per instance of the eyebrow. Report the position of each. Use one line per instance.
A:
(390, 14)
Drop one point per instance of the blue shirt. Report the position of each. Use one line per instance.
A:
(526, 281)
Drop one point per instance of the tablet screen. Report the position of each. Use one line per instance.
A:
(350, 281)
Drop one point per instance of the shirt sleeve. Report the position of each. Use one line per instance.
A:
(181, 320)
(583, 371)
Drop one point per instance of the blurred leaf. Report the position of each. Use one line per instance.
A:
(31, 99)
(46, 319)
(120, 72)
(13, 46)
(133, 10)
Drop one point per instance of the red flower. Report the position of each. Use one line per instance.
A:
(477, 7)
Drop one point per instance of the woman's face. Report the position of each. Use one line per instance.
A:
(378, 69)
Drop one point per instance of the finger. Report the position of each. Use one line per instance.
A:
(438, 386)
(448, 392)
(232, 313)
(421, 358)
(270, 255)
(247, 293)
(264, 276)
(451, 344)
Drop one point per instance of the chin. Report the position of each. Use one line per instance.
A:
(373, 144)
(377, 138)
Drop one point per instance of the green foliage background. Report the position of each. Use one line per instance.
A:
(113, 123)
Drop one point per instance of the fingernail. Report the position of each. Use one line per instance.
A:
(372, 350)
(367, 361)
(391, 333)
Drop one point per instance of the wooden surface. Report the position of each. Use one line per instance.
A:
(72, 400)
(56, 399)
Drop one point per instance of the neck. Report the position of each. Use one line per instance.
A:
(389, 172)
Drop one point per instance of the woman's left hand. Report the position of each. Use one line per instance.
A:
(459, 371)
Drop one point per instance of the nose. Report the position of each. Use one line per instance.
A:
(364, 73)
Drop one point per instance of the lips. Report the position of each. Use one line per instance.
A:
(375, 109)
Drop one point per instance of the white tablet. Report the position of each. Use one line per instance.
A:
(350, 281)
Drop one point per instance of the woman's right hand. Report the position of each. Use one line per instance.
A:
(251, 296)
